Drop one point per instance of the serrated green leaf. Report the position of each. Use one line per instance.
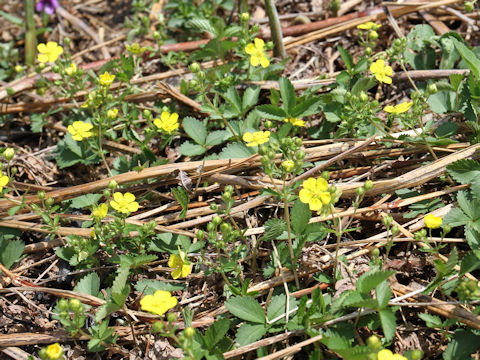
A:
(190, 149)
(83, 201)
(202, 25)
(248, 333)
(307, 107)
(452, 261)
(432, 321)
(89, 284)
(233, 98)
(271, 112)
(368, 281)
(273, 229)
(468, 56)
(469, 263)
(183, 199)
(10, 251)
(300, 216)
(346, 57)
(106, 309)
(140, 260)
(288, 94)
(195, 129)
(250, 98)
(389, 324)
(216, 332)
(246, 308)
(235, 151)
(217, 137)
(277, 306)
(383, 294)
(463, 344)
(120, 289)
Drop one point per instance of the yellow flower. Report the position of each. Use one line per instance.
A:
(136, 49)
(432, 221)
(100, 211)
(257, 54)
(71, 70)
(168, 123)
(158, 303)
(49, 52)
(257, 138)
(315, 193)
(369, 26)
(80, 130)
(112, 114)
(124, 203)
(3, 180)
(386, 354)
(288, 165)
(106, 79)
(182, 267)
(398, 109)
(295, 121)
(382, 71)
(54, 351)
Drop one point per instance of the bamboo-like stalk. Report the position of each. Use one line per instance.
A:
(279, 48)
(30, 33)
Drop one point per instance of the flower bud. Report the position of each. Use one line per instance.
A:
(368, 185)
(63, 304)
(226, 228)
(49, 201)
(189, 332)
(200, 234)
(326, 175)
(446, 229)
(360, 191)
(13, 170)
(158, 326)
(112, 185)
(375, 252)
(432, 89)
(171, 317)
(156, 35)
(19, 68)
(268, 125)
(195, 67)
(112, 114)
(217, 220)
(363, 97)
(210, 227)
(213, 207)
(468, 6)
(298, 142)
(373, 35)
(395, 230)
(56, 69)
(374, 342)
(300, 155)
(254, 28)
(66, 41)
(387, 220)
(106, 193)
(8, 154)
(368, 51)
(201, 75)
(244, 17)
(75, 305)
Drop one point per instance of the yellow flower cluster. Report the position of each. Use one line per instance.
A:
(80, 130)
(49, 52)
(168, 123)
(257, 138)
(382, 71)
(432, 221)
(106, 79)
(158, 303)
(257, 53)
(369, 26)
(315, 193)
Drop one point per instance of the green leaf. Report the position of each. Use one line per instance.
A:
(246, 308)
(432, 321)
(463, 344)
(217, 137)
(368, 281)
(10, 251)
(248, 333)
(148, 287)
(83, 201)
(189, 149)
(452, 261)
(182, 197)
(307, 107)
(232, 97)
(346, 57)
(13, 19)
(120, 289)
(202, 25)
(442, 102)
(236, 150)
(216, 332)
(106, 309)
(288, 94)
(271, 112)
(89, 284)
(389, 325)
(195, 129)
(469, 263)
(468, 56)
(300, 216)
(383, 293)
(277, 306)
(464, 171)
(140, 260)
(273, 229)
(250, 98)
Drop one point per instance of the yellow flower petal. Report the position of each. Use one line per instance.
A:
(254, 61)
(259, 44)
(250, 49)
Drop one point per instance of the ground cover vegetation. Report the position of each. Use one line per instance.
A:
(178, 180)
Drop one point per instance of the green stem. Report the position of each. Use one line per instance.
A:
(31, 34)
(276, 30)
(289, 232)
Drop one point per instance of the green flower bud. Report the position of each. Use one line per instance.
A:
(210, 227)
(75, 305)
(156, 35)
(171, 317)
(326, 175)
(368, 185)
(13, 170)
(271, 154)
(255, 28)
(19, 69)
(416, 354)
(56, 69)
(41, 194)
(360, 191)
(66, 41)
(268, 125)
(244, 17)
(300, 155)
(262, 150)
(374, 342)
(201, 75)
(375, 252)
(229, 189)
(106, 193)
(446, 229)
(432, 89)
(112, 185)
(373, 35)
(195, 67)
(147, 114)
(49, 201)
(217, 220)
(226, 228)
(200, 234)
(395, 230)
(298, 142)
(213, 206)
(387, 220)
(368, 51)
(363, 97)
(468, 6)
(158, 326)
(63, 304)
(189, 332)
(269, 45)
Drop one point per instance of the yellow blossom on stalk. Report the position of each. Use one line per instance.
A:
(124, 203)
(382, 71)
(398, 109)
(112, 114)
(181, 266)
(432, 221)
(369, 26)
(80, 130)
(168, 123)
(71, 70)
(257, 53)
(100, 211)
(386, 354)
(295, 121)
(106, 79)
(3, 180)
(158, 303)
(288, 165)
(315, 193)
(257, 138)
(54, 351)
(49, 52)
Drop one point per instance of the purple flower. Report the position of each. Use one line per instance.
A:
(48, 6)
